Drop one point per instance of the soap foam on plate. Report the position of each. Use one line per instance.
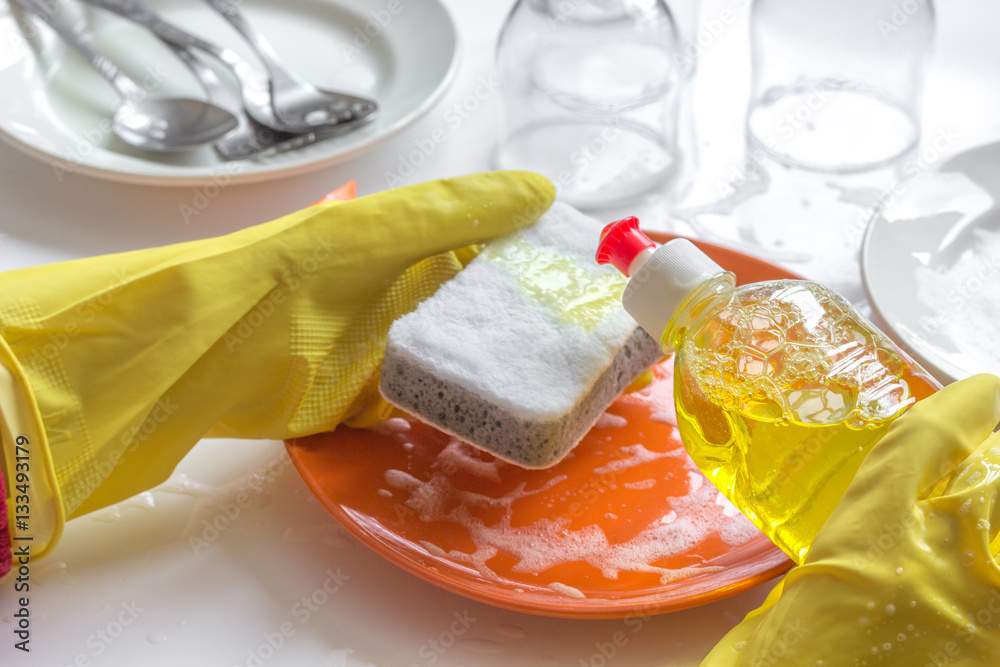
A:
(548, 542)
(608, 420)
(965, 301)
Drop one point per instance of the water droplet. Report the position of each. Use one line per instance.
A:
(899, 570)
(901, 637)
(863, 621)
(480, 645)
(327, 534)
(511, 631)
(143, 501)
(183, 485)
(156, 638)
(54, 572)
(106, 515)
(890, 609)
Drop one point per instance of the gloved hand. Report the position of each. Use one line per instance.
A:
(112, 368)
(903, 572)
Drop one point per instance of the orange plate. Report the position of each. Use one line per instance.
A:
(618, 528)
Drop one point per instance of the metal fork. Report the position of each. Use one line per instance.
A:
(254, 89)
(250, 138)
(298, 105)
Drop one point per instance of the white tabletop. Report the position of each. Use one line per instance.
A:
(282, 583)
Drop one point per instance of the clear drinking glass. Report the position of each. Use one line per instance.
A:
(591, 94)
(837, 85)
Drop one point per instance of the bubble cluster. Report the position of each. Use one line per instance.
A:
(799, 353)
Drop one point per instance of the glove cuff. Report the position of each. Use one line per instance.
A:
(35, 507)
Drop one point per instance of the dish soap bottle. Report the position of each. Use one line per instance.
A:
(781, 387)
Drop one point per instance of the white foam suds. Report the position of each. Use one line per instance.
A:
(463, 456)
(392, 425)
(669, 517)
(644, 484)
(963, 302)
(143, 501)
(549, 542)
(728, 508)
(608, 420)
(695, 480)
(403, 481)
(637, 455)
(568, 591)
(964, 509)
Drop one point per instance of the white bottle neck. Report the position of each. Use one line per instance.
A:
(640, 259)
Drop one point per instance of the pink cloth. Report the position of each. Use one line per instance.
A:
(5, 548)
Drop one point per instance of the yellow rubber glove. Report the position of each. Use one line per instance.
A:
(903, 572)
(112, 368)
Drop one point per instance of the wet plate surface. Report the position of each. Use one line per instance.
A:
(625, 525)
(930, 262)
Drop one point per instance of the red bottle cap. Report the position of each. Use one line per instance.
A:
(621, 242)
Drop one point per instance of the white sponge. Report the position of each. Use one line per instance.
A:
(522, 351)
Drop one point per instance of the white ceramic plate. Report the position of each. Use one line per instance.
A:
(57, 108)
(931, 265)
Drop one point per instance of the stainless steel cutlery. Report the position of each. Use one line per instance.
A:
(270, 113)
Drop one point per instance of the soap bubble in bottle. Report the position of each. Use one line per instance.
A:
(781, 387)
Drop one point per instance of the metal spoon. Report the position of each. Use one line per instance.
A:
(254, 89)
(151, 123)
(250, 138)
(298, 105)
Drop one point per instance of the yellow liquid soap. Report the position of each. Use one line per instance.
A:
(781, 390)
(575, 293)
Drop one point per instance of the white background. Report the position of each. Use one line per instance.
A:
(218, 605)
